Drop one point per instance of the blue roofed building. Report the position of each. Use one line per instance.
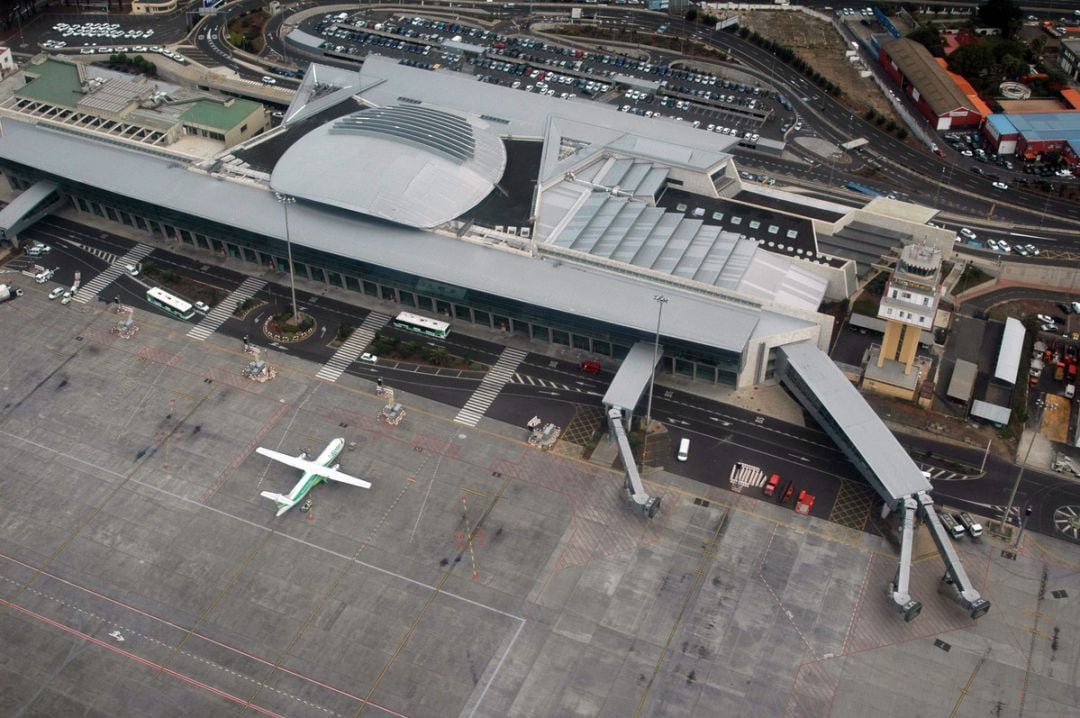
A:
(1036, 135)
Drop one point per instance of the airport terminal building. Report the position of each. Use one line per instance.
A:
(559, 221)
(552, 219)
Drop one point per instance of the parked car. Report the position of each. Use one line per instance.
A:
(56, 292)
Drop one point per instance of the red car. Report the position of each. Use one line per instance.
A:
(590, 367)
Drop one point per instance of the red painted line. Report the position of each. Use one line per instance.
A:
(234, 649)
(138, 659)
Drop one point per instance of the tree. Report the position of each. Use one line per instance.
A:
(1013, 67)
(691, 14)
(929, 37)
(1002, 14)
(973, 61)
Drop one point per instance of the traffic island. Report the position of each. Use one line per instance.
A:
(285, 328)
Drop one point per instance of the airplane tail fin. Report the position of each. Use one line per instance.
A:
(283, 502)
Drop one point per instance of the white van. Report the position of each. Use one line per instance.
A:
(684, 450)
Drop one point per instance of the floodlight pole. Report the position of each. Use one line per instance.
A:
(285, 201)
(661, 300)
(1020, 473)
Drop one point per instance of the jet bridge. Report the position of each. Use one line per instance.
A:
(827, 395)
(641, 501)
(40, 200)
(623, 394)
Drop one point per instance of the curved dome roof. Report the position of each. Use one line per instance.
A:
(408, 164)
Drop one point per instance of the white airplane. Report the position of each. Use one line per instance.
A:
(314, 472)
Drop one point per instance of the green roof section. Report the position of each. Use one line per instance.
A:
(218, 115)
(57, 83)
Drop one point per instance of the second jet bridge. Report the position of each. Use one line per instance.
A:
(823, 390)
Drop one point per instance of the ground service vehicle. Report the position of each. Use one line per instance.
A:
(421, 325)
(970, 525)
(955, 530)
(170, 304)
(770, 486)
(9, 292)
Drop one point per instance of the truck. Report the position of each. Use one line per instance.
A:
(8, 291)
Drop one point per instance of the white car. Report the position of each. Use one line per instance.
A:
(56, 292)
(966, 233)
(132, 269)
(992, 243)
(1004, 246)
(201, 306)
(1045, 318)
(66, 299)
(1000, 185)
(369, 358)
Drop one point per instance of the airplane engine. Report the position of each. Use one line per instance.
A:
(335, 467)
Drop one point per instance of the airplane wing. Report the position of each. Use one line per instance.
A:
(335, 475)
(294, 461)
(313, 466)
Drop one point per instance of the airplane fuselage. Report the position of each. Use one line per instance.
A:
(309, 479)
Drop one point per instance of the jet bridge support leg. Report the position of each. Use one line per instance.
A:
(899, 594)
(962, 590)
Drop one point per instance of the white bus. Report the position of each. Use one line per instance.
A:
(169, 303)
(421, 325)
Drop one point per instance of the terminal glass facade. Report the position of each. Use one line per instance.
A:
(580, 333)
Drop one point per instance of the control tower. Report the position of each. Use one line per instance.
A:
(907, 308)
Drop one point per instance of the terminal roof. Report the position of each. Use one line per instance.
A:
(560, 286)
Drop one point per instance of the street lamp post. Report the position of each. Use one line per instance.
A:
(285, 201)
(661, 300)
(1023, 465)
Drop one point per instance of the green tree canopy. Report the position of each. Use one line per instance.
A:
(974, 60)
(929, 37)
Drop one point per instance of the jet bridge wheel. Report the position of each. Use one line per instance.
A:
(979, 608)
(911, 611)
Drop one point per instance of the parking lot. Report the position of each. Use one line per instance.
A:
(711, 102)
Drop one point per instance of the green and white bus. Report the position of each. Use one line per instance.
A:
(169, 303)
(422, 325)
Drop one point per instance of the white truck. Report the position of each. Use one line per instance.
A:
(8, 291)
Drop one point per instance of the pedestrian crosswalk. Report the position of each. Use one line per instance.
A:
(91, 289)
(353, 346)
(217, 316)
(490, 387)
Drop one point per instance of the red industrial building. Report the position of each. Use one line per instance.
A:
(944, 98)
